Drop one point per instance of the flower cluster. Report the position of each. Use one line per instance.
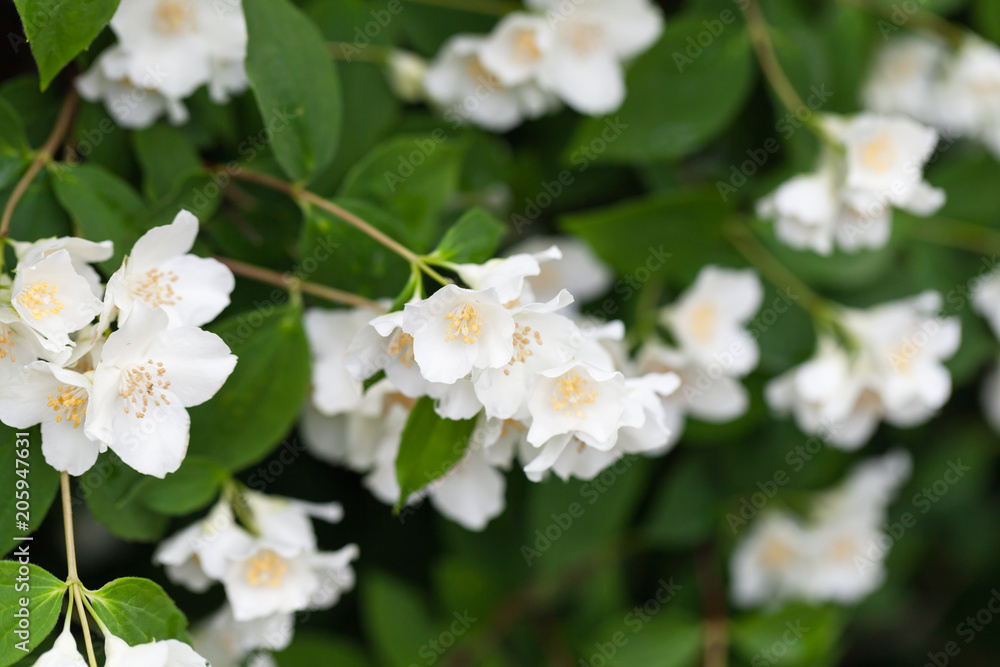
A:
(888, 368)
(166, 653)
(870, 164)
(837, 556)
(127, 390)
(166, 50)
(263, 551)
(555, 392)
(957, 91)
(565, 51)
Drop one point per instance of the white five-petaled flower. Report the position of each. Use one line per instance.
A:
(149, 373)
(82, 254)
(456, 330)
(166, 653)
(226, 642)
(162, 273)
(904, 78)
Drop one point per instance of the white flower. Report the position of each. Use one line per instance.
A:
(19, 346)
(969, 92)
(507, 275)
(133, 103)
(576, 400)
(471, 493)
(406, 75)
(58, 399)
(903, 78)
(198, 555)
(226, 642)
(148, 375)
(590, 39)
(457, 80)
(64, 653)
(82, 254)
(896, 373)
(330, 333)
(162, 273)
(986, 300)
(167, 653)
(708, 319)
(805, 211)
(185, 42)
(578, 269)
(54, 300)
(771, 562)
(456, 330)
(990, 397)
(517, 47)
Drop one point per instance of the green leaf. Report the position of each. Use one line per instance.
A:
(396, 620)
(59, 29)
(197, 194)
(411, 177)
(13, 137)
(261, 400)
(309, 650)
(194, 486)
(296, 86)
(167, 159)
(430, 446)
(109, 488)
(44, 593)
(672, 234)
(684, 509)
(102, 206)
(342, 256)
(667, 113)
(473, 239)
(986, 18)
(668, 640)
(805, 636)
(138, 611)
(38, 109)
(38, 215)
(41, 479)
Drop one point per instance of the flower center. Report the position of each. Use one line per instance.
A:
(465, 324)
(402, 348)
(173, 17)
(776, 554)
(526, 46)
(477, 72)
(587, 38)
(143, 383)
(572, 394)
(266, 568)
(523, 339)
(842, 549)
(40, 298)
(7, 343)
(156, 289)
(68, 404)
(878, 154)
(703, 322)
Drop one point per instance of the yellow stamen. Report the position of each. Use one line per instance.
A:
(266, 568)
(40, 298)
(466, 325)
(68, 404)
(703, 322)
(142, 383)
(571, 394)
(879, 154)
(173, 17)
(156, 289)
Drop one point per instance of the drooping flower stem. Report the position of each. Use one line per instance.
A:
(43, 156)
(293, 284)
(312, 198)
(73, 578)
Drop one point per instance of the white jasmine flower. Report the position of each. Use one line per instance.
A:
(517, 47)
(54, 300)
(771, 562)
(407, 72)
(133, 103)
(903, 78)
(64, 653)
(507, 275)
(708, 320)
(167, 653)
(471, 493)
(969, 92)
(576, 400)
(583, 64)
(148, 375)
(456, 330)
(82, 254)
(226, 642)
(458, 81)
(578, 269)
(805, 210)
(58, 399)
(185, 41)
(198, 555)
(330, 333)
(19, 346)
(162, 273)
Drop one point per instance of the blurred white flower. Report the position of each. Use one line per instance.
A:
(162, 273)
(578, 270)
(771, 562)
(903, 77)
(969, 92)
(986, 300)
(517, 47)
(226, 642)
(407, 72)
(149, 373)
(330, 333)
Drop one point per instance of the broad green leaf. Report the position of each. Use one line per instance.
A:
(986, 18)
(671, 235)
(296, 86)
(138, 611)
(38, 214)
(261, 400)
(396, 620)
(38, 110)
(167, 159)
(39, 478)
(429, 448)
(13, 138)
(58, 30)
(195, 485)
(411, 177)
(44, 594)
(804, 636)
(667, 113)
(110, 491)
(309, 650)
(198, 194)
(332, 252)
(102, 206)
(667, 639)
(473, 239)
(99, 140)
(684, 510)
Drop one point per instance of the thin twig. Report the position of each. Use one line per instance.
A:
(74, 577)
(44, 154)
(760, 36)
